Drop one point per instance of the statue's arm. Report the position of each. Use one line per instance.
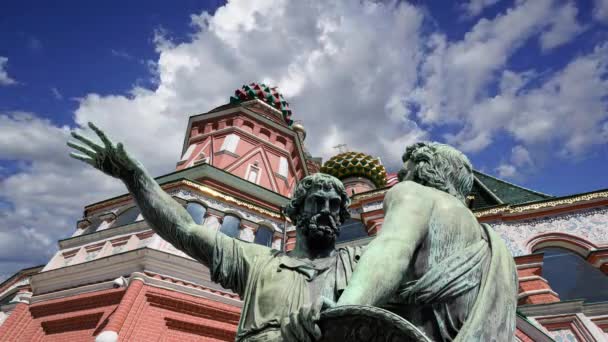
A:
(386, 259)
(169, 219)
(163, 214)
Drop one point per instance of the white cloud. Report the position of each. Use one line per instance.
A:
(519, 164)
(46, 196)
(568, 108)
(343, 82)
(4, 78)
(600, 10)
(564, 26)
(325, 57)
(455, 75)
(506, 171)
(473, 8)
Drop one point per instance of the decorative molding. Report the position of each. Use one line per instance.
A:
(584, 225)
(532, 331)
(506, 210)
(82, 277)
(218, 195)
(552, 309)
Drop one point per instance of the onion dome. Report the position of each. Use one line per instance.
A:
(356, 164)
(264, 93)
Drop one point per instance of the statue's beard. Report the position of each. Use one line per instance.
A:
(321, 230)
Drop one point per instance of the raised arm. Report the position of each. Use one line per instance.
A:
(164, 215)
(387, 258)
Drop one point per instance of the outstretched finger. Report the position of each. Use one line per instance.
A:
(101, 135)
(83, 158)
(87, 141)
(82, 149)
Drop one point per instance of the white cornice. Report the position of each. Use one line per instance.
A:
(123, 264)
(101, 235)
(532, 331)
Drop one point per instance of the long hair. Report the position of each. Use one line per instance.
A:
(441, 167)
(295, 205)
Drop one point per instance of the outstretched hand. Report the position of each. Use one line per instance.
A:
(110, 159)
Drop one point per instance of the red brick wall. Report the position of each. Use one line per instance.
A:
(160, 314)
(76, 318)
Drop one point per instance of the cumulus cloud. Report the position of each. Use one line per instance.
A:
(46, 196)
(4, 78)
(325, 57)
(567, 108)
(563, 27)
(368, 74)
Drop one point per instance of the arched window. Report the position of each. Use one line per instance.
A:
(281, 142)
(197, 211)
(352, 229)
(247, 126)
(126, 217)
(263, 236)
(572, 277)
(230, 225)
(264, 134)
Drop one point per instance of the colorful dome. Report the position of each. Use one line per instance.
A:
(265, 93)
(356, 164)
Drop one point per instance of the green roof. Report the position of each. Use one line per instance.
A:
(492, 191)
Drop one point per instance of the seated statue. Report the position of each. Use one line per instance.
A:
(433, 263)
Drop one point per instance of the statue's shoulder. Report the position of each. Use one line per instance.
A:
(409, 190)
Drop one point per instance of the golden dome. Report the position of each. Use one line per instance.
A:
(356, 164)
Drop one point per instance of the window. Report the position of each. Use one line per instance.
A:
(188, 152)
(231, 226)
(230, 143)
(263, 236)
(248, 126)
(352, 229)
(196, 211)
(264, 134)
(572, 277)
(283, 169)
(126, 217)
(281, 142)
(254, 173)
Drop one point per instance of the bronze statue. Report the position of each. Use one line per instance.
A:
(432, 264)
(440, 269)
(284, 308)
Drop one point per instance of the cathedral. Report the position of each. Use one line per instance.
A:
(114, 279)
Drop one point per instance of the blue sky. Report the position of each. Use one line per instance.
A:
(520, 86)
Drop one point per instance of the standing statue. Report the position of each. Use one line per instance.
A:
(433, 263)
(282, 292)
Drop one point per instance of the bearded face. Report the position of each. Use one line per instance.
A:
(319, 221)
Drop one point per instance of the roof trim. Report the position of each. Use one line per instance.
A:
(211, 172)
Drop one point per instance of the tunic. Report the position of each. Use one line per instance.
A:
(273, 284)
